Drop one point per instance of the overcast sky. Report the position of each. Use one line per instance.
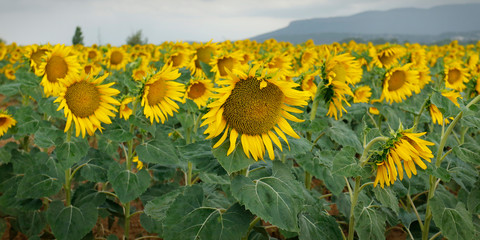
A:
(112, 21)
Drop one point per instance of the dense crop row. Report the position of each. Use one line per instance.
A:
(240, 140)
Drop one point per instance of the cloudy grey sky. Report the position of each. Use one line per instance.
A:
(112, 21)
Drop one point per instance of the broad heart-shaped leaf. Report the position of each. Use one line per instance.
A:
(160, 151)
(29, 120)
(69, 153)
(71, 222)
(45, 136)
(446, 106)
(277, 199)
(316, 224)
(455, 223)
(31, 223)
(127, 184)
(96, 165)
(344, 135)
(369, 222)
(468, 152)
(158, 207)
(188, 218)
(387, 197)
(42, 179)
(473, 202)
(117, 131)
(236, 161)
(346, 164)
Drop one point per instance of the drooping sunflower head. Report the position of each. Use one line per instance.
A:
(117, 58)
(125, 111)
(160, 93)
(452, 96)
(398, 84)
(87, 102)
(435, 114)
(253, 106)
(200, 90)
(387, 56)
(6, 122)
(309, 84)
(57, 64)
(35, 54)
(456, 76)
(403, 147)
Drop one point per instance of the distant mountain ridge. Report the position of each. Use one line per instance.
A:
(457, 21)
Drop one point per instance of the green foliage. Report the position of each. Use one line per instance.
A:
(71, 222)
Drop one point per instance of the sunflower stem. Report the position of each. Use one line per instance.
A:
(308, 180)
(353, 201)
(189, 174)
(417, 117)
(126, 227)
(67, 187)
(251, 226)
(364, 158)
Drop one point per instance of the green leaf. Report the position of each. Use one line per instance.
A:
(369, 222)
(31, 223)
(160, 151)
(127, 184)
(41, 180)
(318, 225)
(69, 153)
(71, 222)
(188, 218)
(9, 89)
(236, 161)
(151, 225)
(214, 178)
(86, 193)
(3, 225)
(45, 136)
(158, 207)
(118, 133)
(387, 197)
(444, 104)
(277, 198)
(344, 135)
(455, 223)
(345, 163)
(473, 202)
(468, 152)
(29, 120)
(96, 166)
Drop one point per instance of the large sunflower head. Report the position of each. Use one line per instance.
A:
(398, 84)
(117, 58)
(456, 76)
(87, 102)
(57, 64)
(159, 93)
(6, 122)
(200, 91)
(254, 106)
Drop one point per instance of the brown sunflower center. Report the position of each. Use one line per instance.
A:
(88, 69)
(204, 54)
(276, 63)
(2, 121)
(386, 59)
(92, 54)
(116, 58)
(82, 99)
(196, 90)
(37, 56)
(177, 60)
(56, 68)
(397, 80)
(140, 74)
(157, 92)
(251, 110)
(225, 63)
(454, 75)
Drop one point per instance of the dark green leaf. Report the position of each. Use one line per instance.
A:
(473, 203)
(345, 163)
(45, 136)
(127, 184)
(236, 161)
(151, 225)
(71, 222)
(160, 151)
(277, 199)
(69, 153)
(344, 135)
(31, 223)
(387, 197)
(86, 193)
(96, 166)
(158, 207)
(455, 223)
(468, 152)
(318, 225)
(118, 132)
(9, 89)
(29, 120)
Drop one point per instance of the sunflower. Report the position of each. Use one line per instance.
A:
(281, 62)
(437, 116)
(398, 84)
(6, 122)
(308, 58)
(308, 83)
(199, 90)
(139, 163)
(373, 110)
(9, 71)
(92, 54)
(159, 92)
(334, 94)
(424, 78)
(252, 106)
(406, 148)
(179, 57)
(124, 111)
(117, 58)
(87, 102)
(362, 94)
(456, 76)
(224, 61)
(387, 55)
(203, 53)
(452, 96)
(57, 65)
(141, 72)
(35, 54)
(343, 68)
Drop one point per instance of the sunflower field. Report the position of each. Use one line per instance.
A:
(240, 140)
